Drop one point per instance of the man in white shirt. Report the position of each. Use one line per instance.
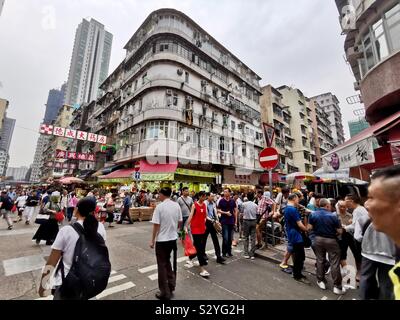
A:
(167, 219)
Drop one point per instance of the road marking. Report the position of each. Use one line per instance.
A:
(153, 277)
(116, 278)
(17, 232)
(113, 272)
(116, 289)
(23, 264)
(179, 260)
(324, 298)
(46, 298)
(148, 269)
(182, 259)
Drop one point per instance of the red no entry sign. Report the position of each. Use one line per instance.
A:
(269, 158)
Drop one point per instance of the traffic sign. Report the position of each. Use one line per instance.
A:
(137, 175)
(269, 158)
(137, 166)
(269, 133)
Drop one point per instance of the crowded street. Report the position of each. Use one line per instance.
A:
(134, 272)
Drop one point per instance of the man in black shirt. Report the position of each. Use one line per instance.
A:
(6, 206)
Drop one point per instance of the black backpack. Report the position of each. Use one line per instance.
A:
(90, 270)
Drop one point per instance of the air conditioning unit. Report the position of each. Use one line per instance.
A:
(198, 43)
(131, 111)
(204, 83)
(180, 72)
(169, 92)
(189, 98)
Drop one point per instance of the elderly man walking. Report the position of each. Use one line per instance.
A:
(326, 227)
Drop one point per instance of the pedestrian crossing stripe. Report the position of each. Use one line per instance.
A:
(179, 260)
(109, 291)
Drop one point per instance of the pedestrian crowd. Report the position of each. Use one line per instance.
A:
(300, 219)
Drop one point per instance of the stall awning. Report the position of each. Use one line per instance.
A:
(146, 167)
(119, 174)
(107, 170)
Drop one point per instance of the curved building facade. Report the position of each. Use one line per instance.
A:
(373, 51)
(179, 95)
(372, 45)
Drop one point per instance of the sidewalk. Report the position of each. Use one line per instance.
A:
(275, 255)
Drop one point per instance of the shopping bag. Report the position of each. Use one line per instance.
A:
(14, 209)
(188, 246)
(59, 216)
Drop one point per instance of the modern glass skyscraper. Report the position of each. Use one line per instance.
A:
(54, 102)
(90, 62)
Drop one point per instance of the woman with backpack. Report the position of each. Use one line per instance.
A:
(65, 250)
(49, 228)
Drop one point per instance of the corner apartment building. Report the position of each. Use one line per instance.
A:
(301, 129)
(179, 92)
(328, 103)
(63, 120)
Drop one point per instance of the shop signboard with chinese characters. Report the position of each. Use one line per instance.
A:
(72, 134)
(71, 155)
(239, 178)
(61, 165)
(351, 156)
(395, 148)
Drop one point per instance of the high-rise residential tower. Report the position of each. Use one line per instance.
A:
(89, 63)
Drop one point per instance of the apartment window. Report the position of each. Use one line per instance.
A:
(136, 84)
(244, 149)
(186, 77)
(304, 142)
(175, 99)
(233, 125)
(157, 130)
(144, 78)
(215, 92)
(306, 155)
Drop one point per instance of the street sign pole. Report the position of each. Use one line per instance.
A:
(269, 159)
(272, 219)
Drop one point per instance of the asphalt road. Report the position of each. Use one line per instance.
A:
(135, 274)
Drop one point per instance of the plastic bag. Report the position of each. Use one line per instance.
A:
(188, 246)
(59, 216)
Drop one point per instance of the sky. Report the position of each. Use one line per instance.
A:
(292, 42)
